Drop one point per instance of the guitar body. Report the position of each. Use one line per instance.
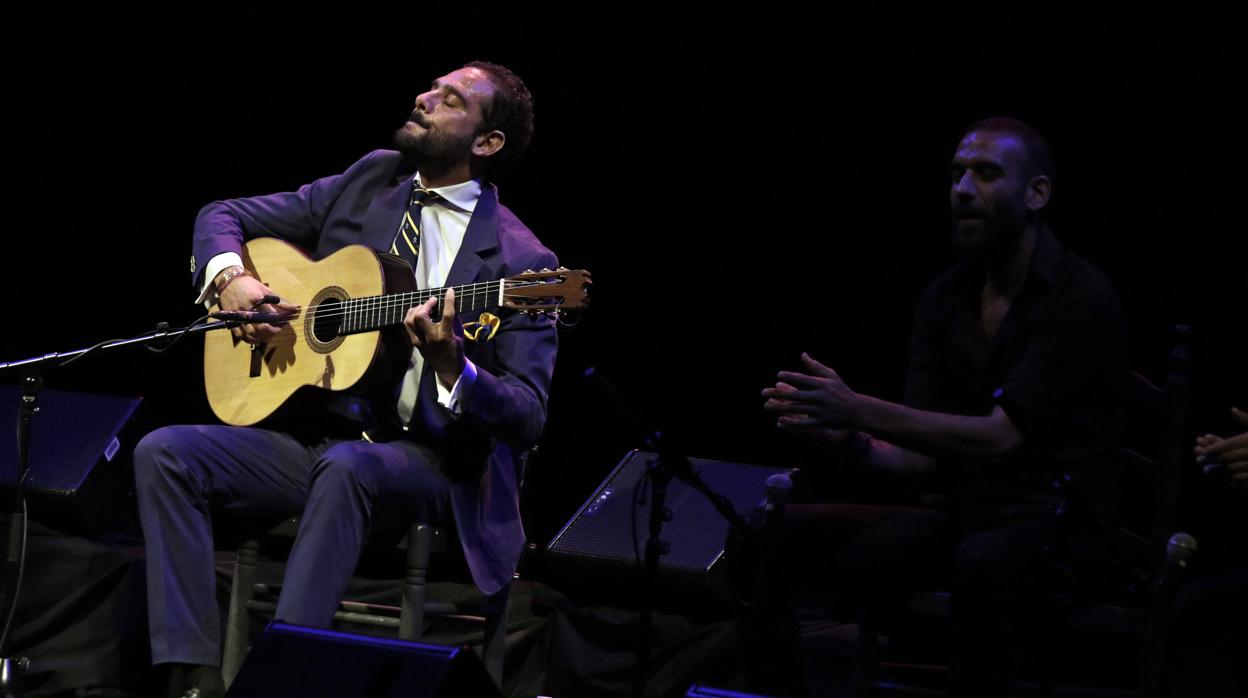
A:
(246, 385)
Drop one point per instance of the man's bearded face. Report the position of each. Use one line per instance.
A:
(447, 119)
(429, 147)
(988, 194)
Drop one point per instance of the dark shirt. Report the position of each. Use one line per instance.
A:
(1055, 366)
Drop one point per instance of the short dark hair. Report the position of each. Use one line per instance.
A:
(511, 111)
(1039, 155)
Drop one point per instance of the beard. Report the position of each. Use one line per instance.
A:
(431, 151)
(987, 236)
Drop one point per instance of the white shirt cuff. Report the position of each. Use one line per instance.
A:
(207, 294)
(451, 399)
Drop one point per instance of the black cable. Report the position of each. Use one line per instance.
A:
(164, 326)
(178, 337)
(90, 349)
(638, 493)
(17, 584)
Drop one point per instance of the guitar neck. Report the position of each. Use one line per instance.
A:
(374, 312)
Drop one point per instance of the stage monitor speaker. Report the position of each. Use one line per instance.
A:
(699, 691)
(80, 446)
(604, 540)
(290, 660)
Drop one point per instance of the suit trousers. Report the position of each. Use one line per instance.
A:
(343, 489)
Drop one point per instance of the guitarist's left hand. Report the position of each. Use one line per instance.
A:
(441, 342)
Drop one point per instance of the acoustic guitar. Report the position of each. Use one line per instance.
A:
(347, 301)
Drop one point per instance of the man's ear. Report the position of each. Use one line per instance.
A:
(488, 143)
(1038, 191)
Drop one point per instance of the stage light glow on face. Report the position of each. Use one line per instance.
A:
(988, 193)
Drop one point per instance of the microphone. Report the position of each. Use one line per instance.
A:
(770, 515)
(778, 488)
(256, 316)
(1179, 551)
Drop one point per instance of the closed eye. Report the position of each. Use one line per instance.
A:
(989, 172)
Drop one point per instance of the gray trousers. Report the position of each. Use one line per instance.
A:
(342, 489)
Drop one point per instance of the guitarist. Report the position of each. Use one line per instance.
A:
(468, 410)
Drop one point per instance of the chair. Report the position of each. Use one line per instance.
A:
(421, 541)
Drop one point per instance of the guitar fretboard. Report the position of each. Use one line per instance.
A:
(374, 312)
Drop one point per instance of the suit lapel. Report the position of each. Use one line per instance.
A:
(480, 236)
(385, 212)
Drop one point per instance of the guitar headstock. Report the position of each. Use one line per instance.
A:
(547, 290)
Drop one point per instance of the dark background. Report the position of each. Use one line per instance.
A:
(743, 188)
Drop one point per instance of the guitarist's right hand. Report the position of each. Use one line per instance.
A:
(245, 293)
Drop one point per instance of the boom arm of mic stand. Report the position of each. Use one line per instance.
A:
(147, 337)
(11, 668)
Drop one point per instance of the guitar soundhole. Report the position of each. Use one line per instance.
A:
(323, 324)
(328, 320)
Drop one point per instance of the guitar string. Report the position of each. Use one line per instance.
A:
(298, 335)
(374, 304)
(370, 305)
(297, 324)
(365, 307)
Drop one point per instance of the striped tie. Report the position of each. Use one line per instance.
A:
(407, 242)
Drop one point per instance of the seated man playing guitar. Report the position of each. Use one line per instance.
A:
(444, 447)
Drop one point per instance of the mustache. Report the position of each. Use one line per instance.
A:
(969, 213)
(418, 118)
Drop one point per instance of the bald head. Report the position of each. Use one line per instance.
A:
(999, 187)
(1038, 156)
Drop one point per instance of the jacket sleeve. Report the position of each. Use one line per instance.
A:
(297, 216)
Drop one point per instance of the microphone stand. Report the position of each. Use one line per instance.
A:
(31, 382)
(669, 463)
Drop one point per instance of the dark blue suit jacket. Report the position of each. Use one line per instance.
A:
(505, 410)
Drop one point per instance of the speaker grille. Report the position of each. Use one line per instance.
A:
(601, 532)
(70, 434)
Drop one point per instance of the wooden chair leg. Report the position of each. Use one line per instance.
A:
(412, 609)
(238, 624)
(493, 644)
